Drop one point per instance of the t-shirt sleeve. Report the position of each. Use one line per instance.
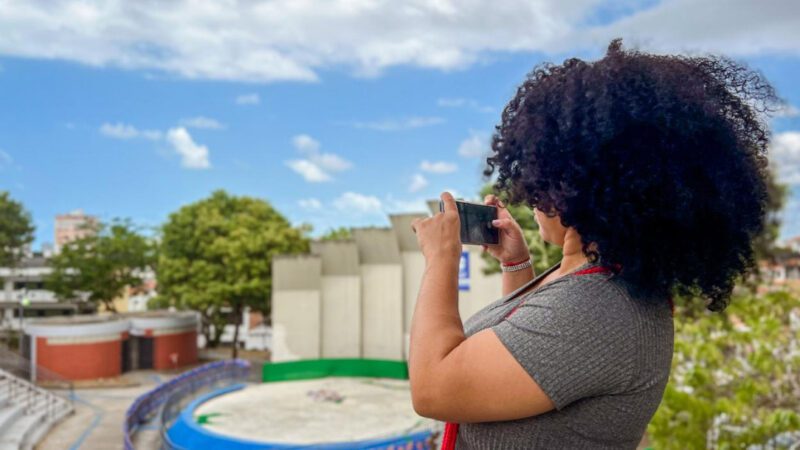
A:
(574, 339)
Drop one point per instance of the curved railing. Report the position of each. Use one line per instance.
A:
(169, 397)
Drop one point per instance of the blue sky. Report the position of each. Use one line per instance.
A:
(335, 117)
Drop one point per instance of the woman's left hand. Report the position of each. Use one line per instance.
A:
(439, 237)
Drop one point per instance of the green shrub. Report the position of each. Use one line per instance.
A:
(735, 377)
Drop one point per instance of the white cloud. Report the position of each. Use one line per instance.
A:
(408, 123)
(737, 28)
(310, 204)
(785, 156)
(316, 167)
(248, 99)
(120, 130)
(393, 205)
(418, 182)
(201, 122)
(438, 167)
(289, 40)
(353, 202)
(305, 143)
(311, 172)
(475, 146)
(5, 159)
(193, 156)
(330, 162)
(459, 102)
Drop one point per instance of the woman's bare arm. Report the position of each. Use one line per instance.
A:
(513, 280)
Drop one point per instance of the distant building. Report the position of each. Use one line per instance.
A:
(784, 273)
(135, 298)
(26, 281)
(48, 250)
(793, 244)
(71, 226)
(103, 346)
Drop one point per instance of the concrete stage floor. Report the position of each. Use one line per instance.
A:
(334, 409)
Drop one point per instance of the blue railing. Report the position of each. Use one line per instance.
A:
(169, 397)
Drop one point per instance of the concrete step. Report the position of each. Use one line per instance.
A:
(38, 433)
(32, 424)
(8, 415)
(25, 426)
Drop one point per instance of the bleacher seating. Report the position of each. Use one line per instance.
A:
(27, 412)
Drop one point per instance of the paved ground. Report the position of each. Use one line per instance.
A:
(97, 422)
(99, 411)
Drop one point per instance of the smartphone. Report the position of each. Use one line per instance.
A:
(476, 222)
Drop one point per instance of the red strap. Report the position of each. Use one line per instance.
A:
(449, 437)
(596, 269)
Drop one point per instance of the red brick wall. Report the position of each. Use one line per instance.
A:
(183, 344)
(81, 361)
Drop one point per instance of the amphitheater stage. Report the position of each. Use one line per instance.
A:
(329, 412)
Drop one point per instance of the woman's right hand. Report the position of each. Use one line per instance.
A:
(512, 246)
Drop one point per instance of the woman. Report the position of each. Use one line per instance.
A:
(650, 172)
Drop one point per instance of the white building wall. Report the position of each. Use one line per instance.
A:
(296, 301)
(483, 289)
(413, 268)
(363, 302)
(341, 316)
(382, 321)
(295, 325)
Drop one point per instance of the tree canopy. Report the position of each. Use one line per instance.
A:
(216, 254)
(337, 233)
(16, 229)
(101, 264)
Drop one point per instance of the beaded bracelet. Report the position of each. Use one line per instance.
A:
(513, 267)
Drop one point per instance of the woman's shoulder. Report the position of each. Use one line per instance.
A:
(592, 294)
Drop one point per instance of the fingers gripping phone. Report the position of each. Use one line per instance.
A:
(476, 223)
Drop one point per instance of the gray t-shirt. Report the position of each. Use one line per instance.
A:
(601, 352)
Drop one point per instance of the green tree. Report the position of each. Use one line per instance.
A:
(543, 254)
(102, 263)
(216, 254)
(337, 233)
(16, 230)
(734, 381)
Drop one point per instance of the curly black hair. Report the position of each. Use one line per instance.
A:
(659, 160)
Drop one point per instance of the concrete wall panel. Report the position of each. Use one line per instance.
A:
(341, 298)
(413, 268)
(296, 310)
(382, 320)
(341, 316)
(296, 325)
(483, 289)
